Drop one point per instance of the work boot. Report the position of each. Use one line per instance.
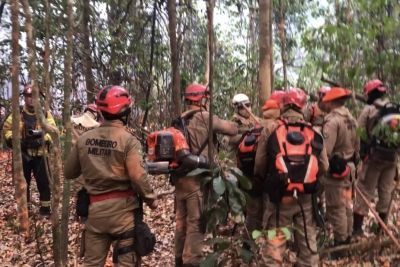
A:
(178, 262)
(357, 225)
(44, 211)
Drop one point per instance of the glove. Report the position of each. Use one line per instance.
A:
(9, 142)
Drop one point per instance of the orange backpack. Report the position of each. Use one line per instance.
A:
(293, 148)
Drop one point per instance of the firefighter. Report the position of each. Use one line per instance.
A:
(189, 196)
(290, 207)
(246, 122)
(243, 120)
(342, 146)
(34, 148)
(315, 114)
(109, 158)
(380, 162)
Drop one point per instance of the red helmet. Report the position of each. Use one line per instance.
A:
(336, 93)
(196, 92)
(374, 85)
(91, 107)
(27, 89)
(113, 99)
(277, 95)
(294, 96)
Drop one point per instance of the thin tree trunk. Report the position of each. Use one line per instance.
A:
(282, 38)
(67, 124)
(152, 41)
(53, 131)
(176, 77)
(207, 64)
(265, 51)
(210, 29)
(87, 54)
(18, 177)
(46, 59)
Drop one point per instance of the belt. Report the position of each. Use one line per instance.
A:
(111, 195)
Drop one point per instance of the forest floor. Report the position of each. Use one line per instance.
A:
(14, 251)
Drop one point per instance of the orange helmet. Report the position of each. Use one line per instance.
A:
(270, 104)
(374, 85)
(196, 92)
(294, 96)
(336, 93)
(322, 91)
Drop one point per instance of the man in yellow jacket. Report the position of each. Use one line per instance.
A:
(34, 147)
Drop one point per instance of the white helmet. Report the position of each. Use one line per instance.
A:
(240, 99)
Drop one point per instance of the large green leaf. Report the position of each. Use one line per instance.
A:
(219, 185)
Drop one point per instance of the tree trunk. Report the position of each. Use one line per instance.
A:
(210, 29)
(67, 123)
(176, 78)
(46, 59)
(53, 131)
(265, 50)
(251, 78)
(282, 38)
(18, 177)
(150, 82)
(87, 54)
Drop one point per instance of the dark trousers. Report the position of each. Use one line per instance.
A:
(37, 166)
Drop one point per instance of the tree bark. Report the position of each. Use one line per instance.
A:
(282, 38)
(150, 85)
(53, 131)
(67, 123)
(87, 54)
(18, 177)
(265, 50)
(176, 78)
(210, 29)
(46, 60)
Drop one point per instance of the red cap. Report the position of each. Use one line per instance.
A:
(374, 85)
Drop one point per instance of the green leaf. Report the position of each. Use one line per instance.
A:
(244, 182)
(271, 234)
(210, 260)
(219, 185)
(198, 171)
(286, 232)
(256, 234)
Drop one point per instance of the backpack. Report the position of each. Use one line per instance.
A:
(247, 149)
(164, 147)
(293, 149)
(386, 127)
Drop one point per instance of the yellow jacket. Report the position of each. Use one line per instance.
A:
(33, 146)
